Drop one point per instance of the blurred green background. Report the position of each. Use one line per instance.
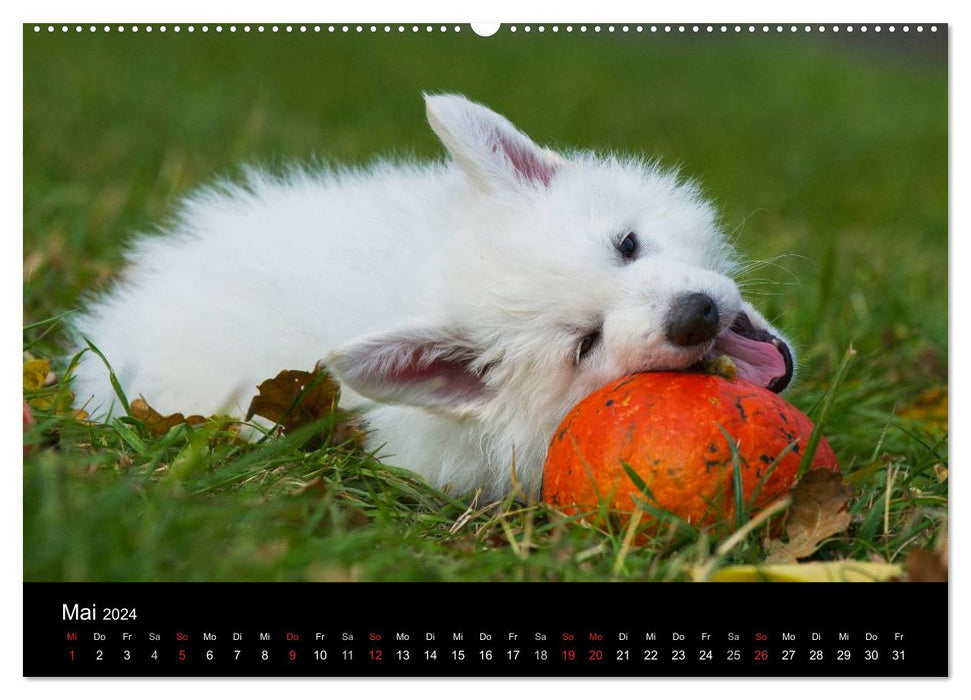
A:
(827, 157)
(833, 154)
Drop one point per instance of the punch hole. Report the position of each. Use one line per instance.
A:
(484, 28)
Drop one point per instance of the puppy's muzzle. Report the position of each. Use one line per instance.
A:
(692, 320)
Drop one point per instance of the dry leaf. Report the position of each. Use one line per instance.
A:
(927, 565)
(287, 401)
(818, 511)
(814, 571)
(317, 485)
(930, 408)
(294, 398)
(156, 423)
(35, 374)
(58, 400)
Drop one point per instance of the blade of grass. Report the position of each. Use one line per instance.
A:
(741, 512)
(768, 472)
(111, 377)
(51, 320)
(809, 454)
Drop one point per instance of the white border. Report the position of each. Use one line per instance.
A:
(603, 11)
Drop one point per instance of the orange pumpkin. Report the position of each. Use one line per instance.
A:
(667, 427)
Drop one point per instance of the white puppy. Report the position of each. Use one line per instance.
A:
(466, 305)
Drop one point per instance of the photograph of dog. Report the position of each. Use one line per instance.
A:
(475, 301)
(244, 211)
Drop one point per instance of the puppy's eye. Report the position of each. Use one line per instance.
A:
(628, 246)
(586, 345)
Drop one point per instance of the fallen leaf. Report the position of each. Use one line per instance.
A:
(38, 380)
(35, 374)
(927, 565)
(156, 423)
(930, 409)
(294, 398)
(814, 571)
(316, 486)
(818, 511)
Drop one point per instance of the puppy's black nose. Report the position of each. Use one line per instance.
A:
(693, 319)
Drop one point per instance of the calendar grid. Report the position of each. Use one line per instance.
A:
(648, 630)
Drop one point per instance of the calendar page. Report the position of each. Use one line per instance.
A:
(501, 350)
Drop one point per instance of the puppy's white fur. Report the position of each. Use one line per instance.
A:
(450, 299)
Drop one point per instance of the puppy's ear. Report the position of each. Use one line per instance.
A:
(428, 367)
(491, 151)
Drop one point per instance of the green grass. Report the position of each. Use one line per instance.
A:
(829, 163)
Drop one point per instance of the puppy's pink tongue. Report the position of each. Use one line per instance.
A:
(757, 361)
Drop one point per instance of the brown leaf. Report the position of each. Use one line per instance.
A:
(316, 486)
(818, 511)
(295, 398)
(287, 400)
(926, 565)
(156, 423)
